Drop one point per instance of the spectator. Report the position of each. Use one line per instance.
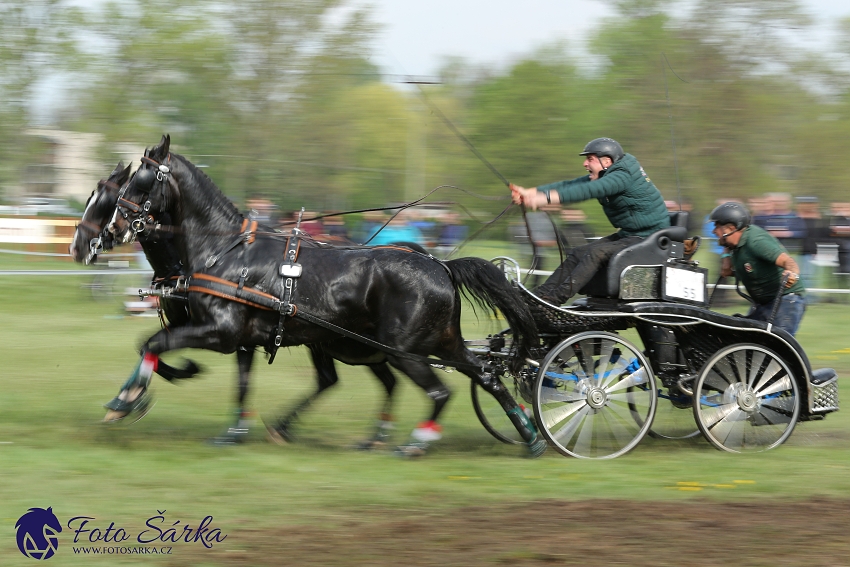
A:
(839, 230)
(782, 223)
(816, 232)
(543, 239)
(397, 231)
(452, 233)
(761, 209)
(574, 230)
(311, 227)
(335, 228)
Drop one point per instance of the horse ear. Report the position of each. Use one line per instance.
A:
(160, 151)
(117, 169)
(125, 175)
(165, 144)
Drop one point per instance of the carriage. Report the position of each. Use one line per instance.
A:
(595, 394)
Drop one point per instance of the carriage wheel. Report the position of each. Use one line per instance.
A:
(746, 399)
(595, 396)
(493, 417)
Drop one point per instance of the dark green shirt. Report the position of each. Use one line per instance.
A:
(631, 201)
(754, 260)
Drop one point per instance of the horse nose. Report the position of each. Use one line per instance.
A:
(72, 250)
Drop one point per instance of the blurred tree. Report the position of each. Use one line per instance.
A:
(278, 98)
(231, 85)
(36, 42)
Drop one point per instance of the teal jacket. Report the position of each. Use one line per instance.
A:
(630, 200)
(754, 260)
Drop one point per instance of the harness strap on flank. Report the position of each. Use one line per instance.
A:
(382, 347)
(290, 270)
(211, 285)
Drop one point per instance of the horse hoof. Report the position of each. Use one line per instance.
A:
(119, 410)
(278, 436)
(537, 447)
(113, 416)
(412, 450)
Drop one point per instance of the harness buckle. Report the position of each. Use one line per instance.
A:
(290, 270)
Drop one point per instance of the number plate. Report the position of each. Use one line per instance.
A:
(686, 286)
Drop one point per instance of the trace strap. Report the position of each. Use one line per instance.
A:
(382, 347)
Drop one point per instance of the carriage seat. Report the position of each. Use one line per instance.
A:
(654, 250)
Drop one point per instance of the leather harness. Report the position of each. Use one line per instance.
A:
(290, 270)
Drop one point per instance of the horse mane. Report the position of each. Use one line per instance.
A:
(209, 187)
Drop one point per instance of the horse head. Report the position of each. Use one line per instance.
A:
(145, 196)
(169, 193)
(91, 238)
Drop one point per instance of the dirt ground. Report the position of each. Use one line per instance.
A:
(697, 533)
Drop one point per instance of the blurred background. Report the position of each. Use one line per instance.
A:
(322, 104)
(337, 105)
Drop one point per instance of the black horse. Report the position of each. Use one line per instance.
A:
(251, 288)
(91, 238)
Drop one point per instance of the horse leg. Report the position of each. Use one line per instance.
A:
(429, 430)
(326, 377)
(237, 432)
(133, 396)
(492, 384)
(384, 424)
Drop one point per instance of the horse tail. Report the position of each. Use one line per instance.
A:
(486, 285)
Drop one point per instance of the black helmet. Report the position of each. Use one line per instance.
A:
(731, 213)
(604, 147)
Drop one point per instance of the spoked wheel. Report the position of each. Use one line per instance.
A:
(493, 417)
(746, 399)
(595, 396)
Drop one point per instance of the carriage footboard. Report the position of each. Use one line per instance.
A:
(824, 391)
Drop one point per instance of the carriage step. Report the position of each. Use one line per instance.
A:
(824, 391)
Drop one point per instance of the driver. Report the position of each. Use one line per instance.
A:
(629, 199)
(760, 262)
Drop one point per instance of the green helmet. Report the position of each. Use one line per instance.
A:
(731, 213)
(604, 147)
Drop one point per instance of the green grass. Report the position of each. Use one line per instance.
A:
(62, 355)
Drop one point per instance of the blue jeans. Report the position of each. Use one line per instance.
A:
(788, 316)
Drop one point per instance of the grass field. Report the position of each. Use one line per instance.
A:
(62, 355)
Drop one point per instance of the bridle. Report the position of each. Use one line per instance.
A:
(102, 237)
(139, 215)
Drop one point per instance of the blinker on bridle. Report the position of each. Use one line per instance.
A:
(143, 180)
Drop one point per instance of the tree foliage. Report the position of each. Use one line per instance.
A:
(279, 99)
